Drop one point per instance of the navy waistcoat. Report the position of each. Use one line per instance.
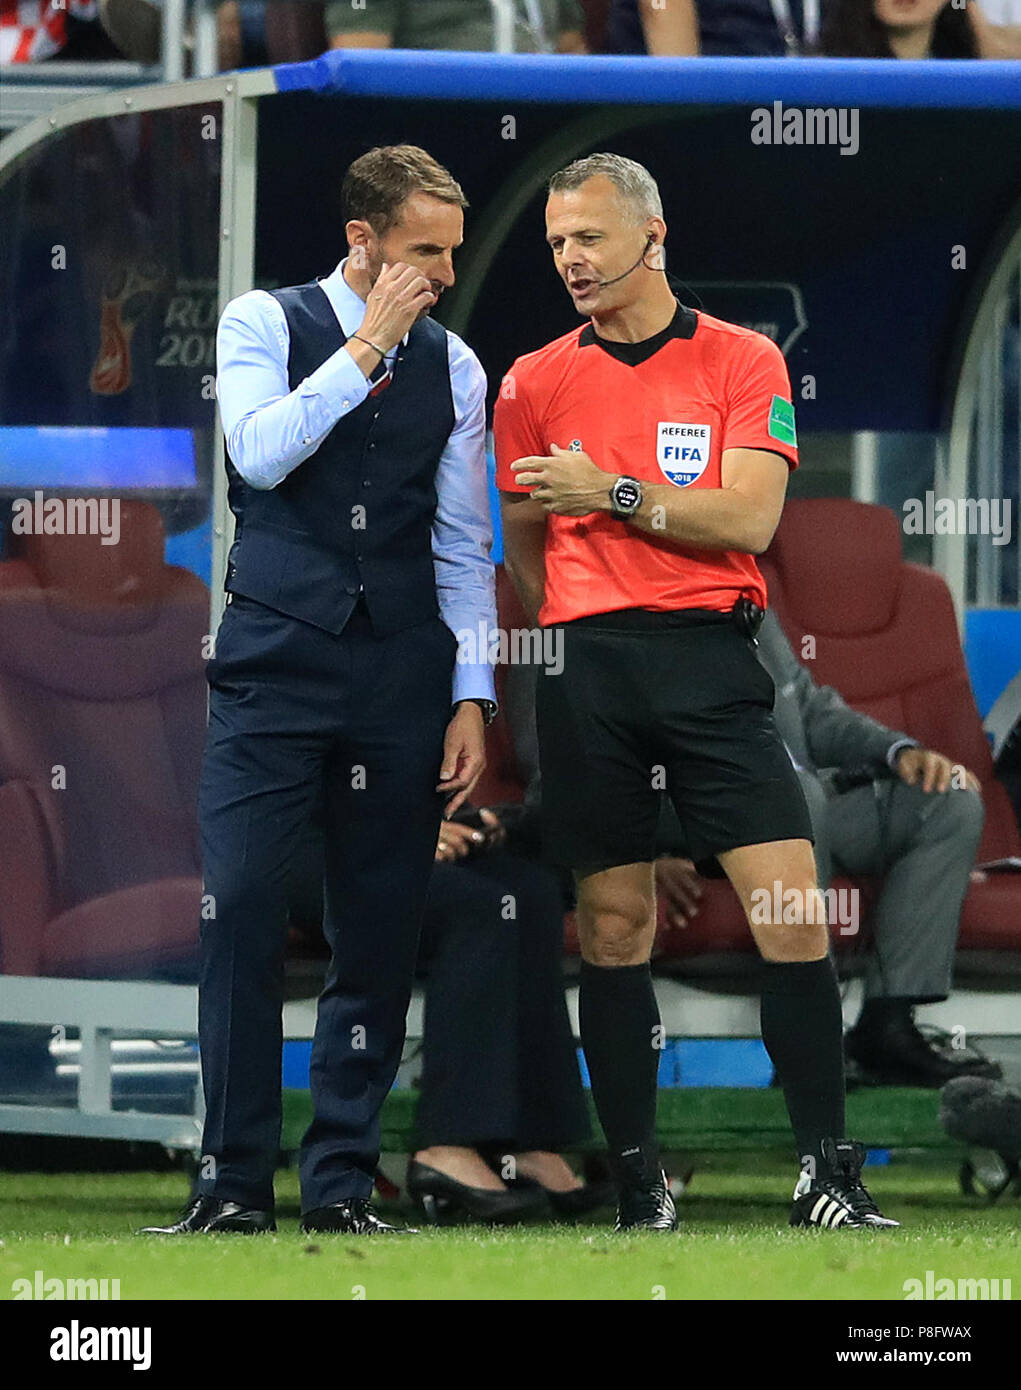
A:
(358, 512)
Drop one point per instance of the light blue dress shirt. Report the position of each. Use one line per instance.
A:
(271, 429)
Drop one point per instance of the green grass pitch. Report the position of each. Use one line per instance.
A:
(734, 1243)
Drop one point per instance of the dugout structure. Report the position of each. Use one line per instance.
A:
(865, 215)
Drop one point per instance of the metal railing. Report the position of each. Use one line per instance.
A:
(204, 57)
(511, 17)
(982, 460)
(29, 90)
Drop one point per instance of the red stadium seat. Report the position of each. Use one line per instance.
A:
(102, 674)
(886, 637)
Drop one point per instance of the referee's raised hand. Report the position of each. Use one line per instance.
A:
(400, 296)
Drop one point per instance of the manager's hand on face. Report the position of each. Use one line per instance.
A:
(396, 301)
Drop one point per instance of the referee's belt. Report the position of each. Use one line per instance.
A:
(646, 620)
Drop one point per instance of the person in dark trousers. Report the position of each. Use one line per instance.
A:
(643, 462)
(355, 430)
(501, 1094)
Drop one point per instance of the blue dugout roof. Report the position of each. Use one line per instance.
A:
(427, 75)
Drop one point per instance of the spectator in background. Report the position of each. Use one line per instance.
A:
(663, 30)
(914, 29)
(554, 26)
(1001, 39)
(596, 13)
(252, 33)
(791, 29)
(32, 31)
(249, 32)
(897, 29)
(714, 28)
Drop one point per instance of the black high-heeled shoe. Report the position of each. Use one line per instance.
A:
(577, 1201)
(443, 1200)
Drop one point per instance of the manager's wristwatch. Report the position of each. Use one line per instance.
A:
(625, 497)
(487, 707)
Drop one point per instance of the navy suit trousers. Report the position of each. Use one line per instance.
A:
(298, 714)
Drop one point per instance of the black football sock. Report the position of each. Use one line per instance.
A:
(619, 1022)
(802, 1029)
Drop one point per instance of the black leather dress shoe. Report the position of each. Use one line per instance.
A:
(445, 1201)
(210, 1215)
(352, 1217)
(890, 1050)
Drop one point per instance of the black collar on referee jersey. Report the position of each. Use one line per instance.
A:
(682, 325)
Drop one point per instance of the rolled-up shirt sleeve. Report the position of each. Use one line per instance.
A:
(462, 534)
(269, 428)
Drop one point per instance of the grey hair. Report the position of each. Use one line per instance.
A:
(632, 181)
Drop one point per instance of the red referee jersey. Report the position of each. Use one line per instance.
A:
(662, 411)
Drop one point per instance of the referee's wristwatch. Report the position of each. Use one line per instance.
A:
(625, 497)
(487, 707)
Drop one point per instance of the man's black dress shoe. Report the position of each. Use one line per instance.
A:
(890, 1050)
(210, 1215)
(352, 1217)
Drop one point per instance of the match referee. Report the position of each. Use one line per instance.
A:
(642, 462)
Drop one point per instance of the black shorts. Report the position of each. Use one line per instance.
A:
(652, 702)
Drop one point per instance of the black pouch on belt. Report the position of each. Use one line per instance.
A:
(747, 617)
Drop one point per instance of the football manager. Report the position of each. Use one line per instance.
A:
(355, 429)
(643, 461)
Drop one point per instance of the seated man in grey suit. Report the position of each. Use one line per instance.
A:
(880, 805)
